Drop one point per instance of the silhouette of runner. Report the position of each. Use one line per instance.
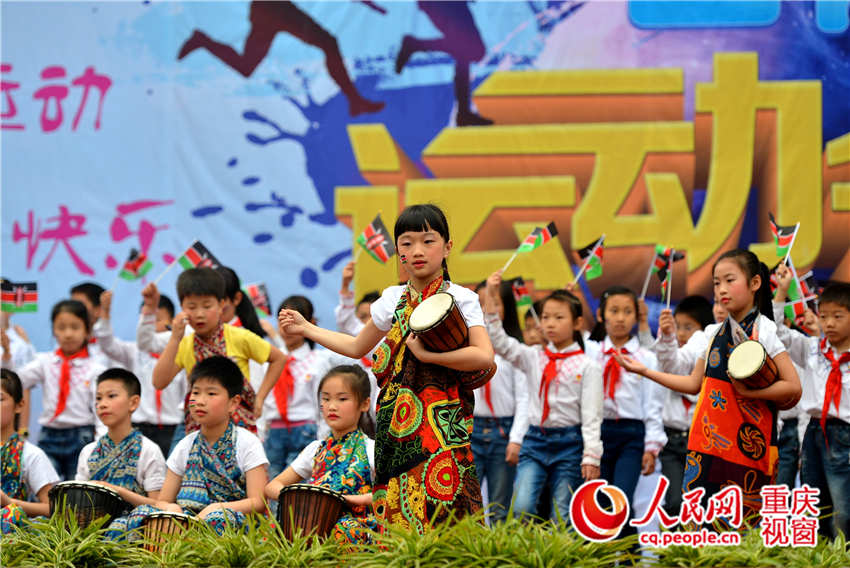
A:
(461, 40)
(267, 20)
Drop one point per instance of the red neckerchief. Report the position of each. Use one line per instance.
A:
(65, 378)
(612, 372)
(549, 374)
(833, 382)
(284, 387)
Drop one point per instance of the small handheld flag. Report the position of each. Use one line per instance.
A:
(136, 266)
(592, 256)
(535, 239)
(259, 297)
(19, 297)
(376, 240)
(197, 256)
(521, 293)
(664, 259)
(783, 236)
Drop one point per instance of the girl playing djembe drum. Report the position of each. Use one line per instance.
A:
(344, 460)
(733, 437)
(424, 468)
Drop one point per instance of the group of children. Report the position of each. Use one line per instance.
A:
(407, 434)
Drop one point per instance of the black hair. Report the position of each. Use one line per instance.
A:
(245, 310)
(303, 306)
(599, 333)
(91, 290)
(221, 370)
(568, 298)
(73, 307)
(510, 323)
(358, 381)
(129, 380)
(369, 297)
(11, 383)
(836, 293)
(751, 266)
(203, 281)
(698, 308)
(422, 217)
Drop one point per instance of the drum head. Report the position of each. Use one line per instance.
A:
(306, 487)
(168, 515)
(746, 359)
(64, 486)
(431, 311)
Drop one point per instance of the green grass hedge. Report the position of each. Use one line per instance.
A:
(47, 542)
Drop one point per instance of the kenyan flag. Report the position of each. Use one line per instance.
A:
(664, 257)
(377, 241)
(259, 298)
(19, 297)
(592, 255)
(521, 293)
(783, 235)
(136, 266)
(538, 237)
(196, 256)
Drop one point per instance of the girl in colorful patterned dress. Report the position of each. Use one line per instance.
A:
(27, 471)
(733, 438)
(344, 461)
(424, 469)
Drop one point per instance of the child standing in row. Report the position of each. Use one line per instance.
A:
(344, 461)
(561, 444)
(826, 398)
(27, 474)
(201, 291)
(734, 436)
(67, 377)
(122, 459)
(423, 460)
(217, 472)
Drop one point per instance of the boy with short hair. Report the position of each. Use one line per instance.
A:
(159, 411)
(201, 292)
(89, 294)
(122, 459)
(218, 472)
(826, 398)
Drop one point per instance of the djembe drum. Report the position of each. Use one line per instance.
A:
(87, 500)
(750, 364)
(157, 526)
(308, 509)
(437, 321)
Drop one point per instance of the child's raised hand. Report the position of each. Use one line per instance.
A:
(630, 364)
(589, 472)
(666, 323)
(783, 278)
(494, 281)
(811, 322)
(647, 463)
(347, 276)
(150, 299)
(178, 326)
(105, 303)
(5, 344)
(291, 322)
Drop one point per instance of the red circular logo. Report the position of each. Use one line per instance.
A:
(589, 518)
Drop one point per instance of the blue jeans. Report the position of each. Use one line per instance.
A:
(622, 454)
(489, 442)
(283, 445)
(789, 453)
(63, 446)
(829, 470)
(548, 456)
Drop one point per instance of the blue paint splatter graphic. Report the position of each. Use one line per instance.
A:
(262, 238)
(207, 210)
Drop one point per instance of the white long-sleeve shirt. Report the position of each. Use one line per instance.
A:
(636, 397)
(22, 352)
(141, 363)
(678, 407)
(805, 351)
(575, 395)
(346, 315)
(509, 395)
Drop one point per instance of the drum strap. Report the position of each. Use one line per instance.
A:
(65, 378)
(833, 383)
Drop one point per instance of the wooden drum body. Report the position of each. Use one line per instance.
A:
(160, 526)
(750, 364)
(310, 509)
(439, 323)
(88, 501)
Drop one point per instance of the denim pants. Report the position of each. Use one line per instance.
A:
(283, 445)
(622, 454)
(63, 446)
(673, 467)
(828, 468)
(489, 442)
(789, 453)
(550, 456)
